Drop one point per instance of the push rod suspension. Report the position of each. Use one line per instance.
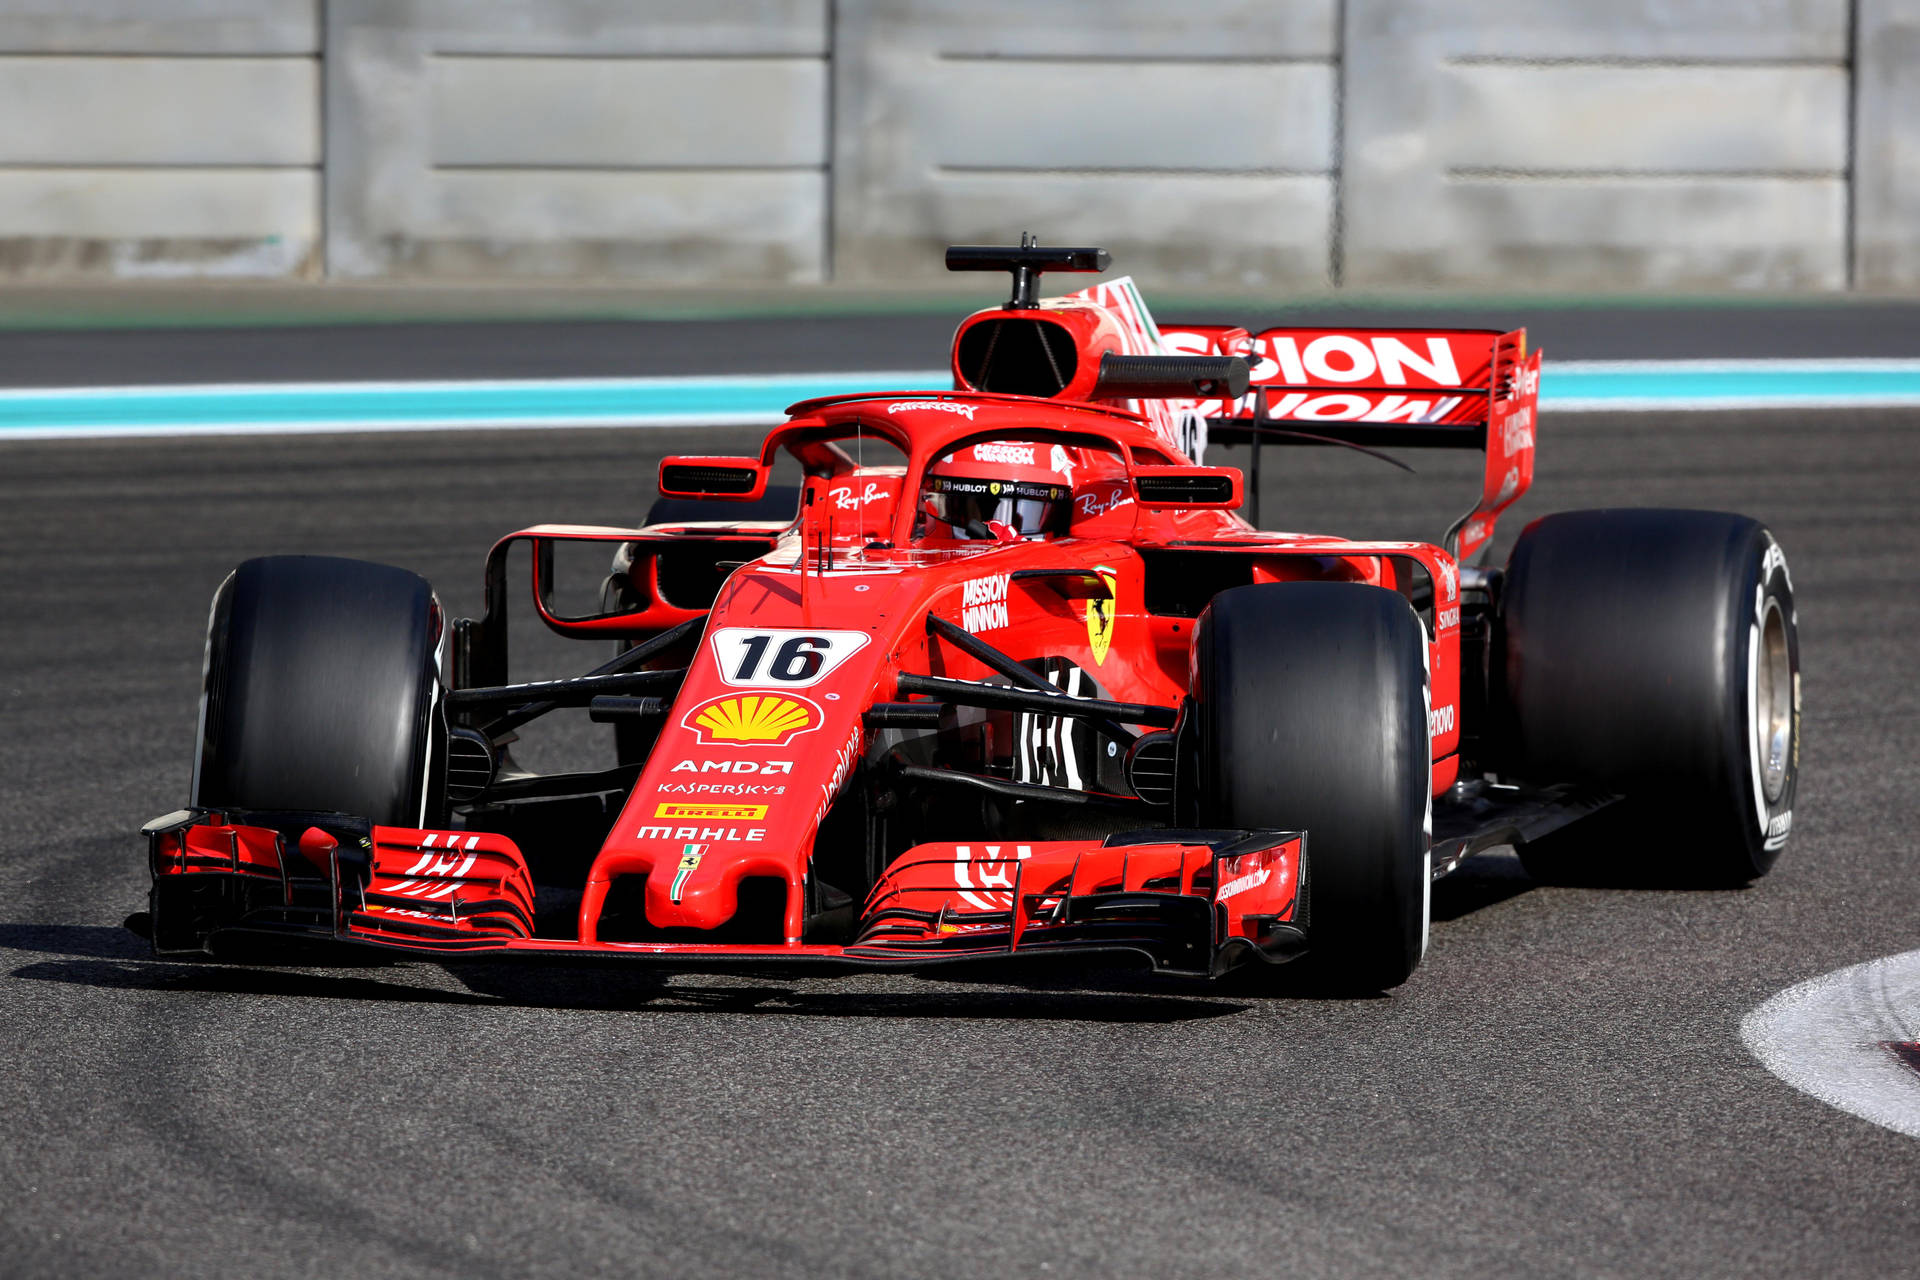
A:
(968, 693)
(974, 647)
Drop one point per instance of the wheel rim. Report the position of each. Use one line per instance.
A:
(1773, 704)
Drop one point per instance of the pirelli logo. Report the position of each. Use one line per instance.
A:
(713, 812)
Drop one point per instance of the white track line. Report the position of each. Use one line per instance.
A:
(1769, 365)
(1708, 404)
(714, 400)
(1825, 1038)
(348, 426)
(667, 382)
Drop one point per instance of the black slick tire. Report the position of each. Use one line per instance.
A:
(1309, 713)
(1653, 653)
(320, 691)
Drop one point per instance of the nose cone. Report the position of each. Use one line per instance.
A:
(696, 891)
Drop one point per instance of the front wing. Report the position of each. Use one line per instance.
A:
(1191, 902)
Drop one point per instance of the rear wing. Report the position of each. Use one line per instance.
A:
(1381, 388)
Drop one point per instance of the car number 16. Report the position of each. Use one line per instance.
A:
(785, 659)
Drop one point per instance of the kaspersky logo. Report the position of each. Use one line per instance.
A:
(690, 855)
(752, 719)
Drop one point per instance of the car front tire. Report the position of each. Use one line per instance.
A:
(1310, 713)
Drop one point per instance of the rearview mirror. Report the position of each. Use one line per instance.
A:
(720, 479)
(1188, 486)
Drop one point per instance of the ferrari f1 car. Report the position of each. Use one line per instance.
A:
(1032, 689)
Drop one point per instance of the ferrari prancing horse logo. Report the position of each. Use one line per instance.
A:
(690, 855)
(1100, 614)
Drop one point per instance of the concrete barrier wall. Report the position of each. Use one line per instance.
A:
(1589, 143)
(159, 137)
(1196, 141)
(1886, 144)
(645, 139)
(1485, 144)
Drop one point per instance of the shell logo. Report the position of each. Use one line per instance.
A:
(752, 719)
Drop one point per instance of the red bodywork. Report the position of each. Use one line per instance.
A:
(802, 640)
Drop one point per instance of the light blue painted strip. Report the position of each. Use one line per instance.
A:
(758, 399)
(1728, 384)
(389, 406)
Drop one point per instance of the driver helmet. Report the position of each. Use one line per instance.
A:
(999, 490)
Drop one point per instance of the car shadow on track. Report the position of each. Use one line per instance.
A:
(219, 979)
(591, 989)
(1482, 881)
(98, 941)
(111, 958)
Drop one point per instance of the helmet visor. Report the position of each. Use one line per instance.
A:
(973, 506)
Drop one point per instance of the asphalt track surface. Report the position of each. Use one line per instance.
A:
(1887, 328)
(1561, 1089)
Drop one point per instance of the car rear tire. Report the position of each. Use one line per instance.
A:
(321, 690)
(1653, 653)
(1309, 713)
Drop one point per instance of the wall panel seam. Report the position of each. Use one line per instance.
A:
(830, 15)
(1849, 227)
(512, 167)
(1472, 174)
(1140, 59)
(1701, 62)
(1021, 171)
(166, 55)
(149, 166)
(1337, 153)
(438, 55)
(323, 211)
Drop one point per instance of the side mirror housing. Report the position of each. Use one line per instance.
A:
(1188, 487)
(717, 479)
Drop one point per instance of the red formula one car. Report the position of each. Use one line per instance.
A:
(1029, 688)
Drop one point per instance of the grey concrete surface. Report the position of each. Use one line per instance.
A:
(1517, 117)
(577, 138)
(255, 112)
(1886, 149)
(143, 27)
(159, 139)
(1586, 144)
(1702, 144)
(1560, 1090)
(1198, 148)
(624, 112)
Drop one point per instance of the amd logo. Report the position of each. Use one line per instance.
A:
(734, 766)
